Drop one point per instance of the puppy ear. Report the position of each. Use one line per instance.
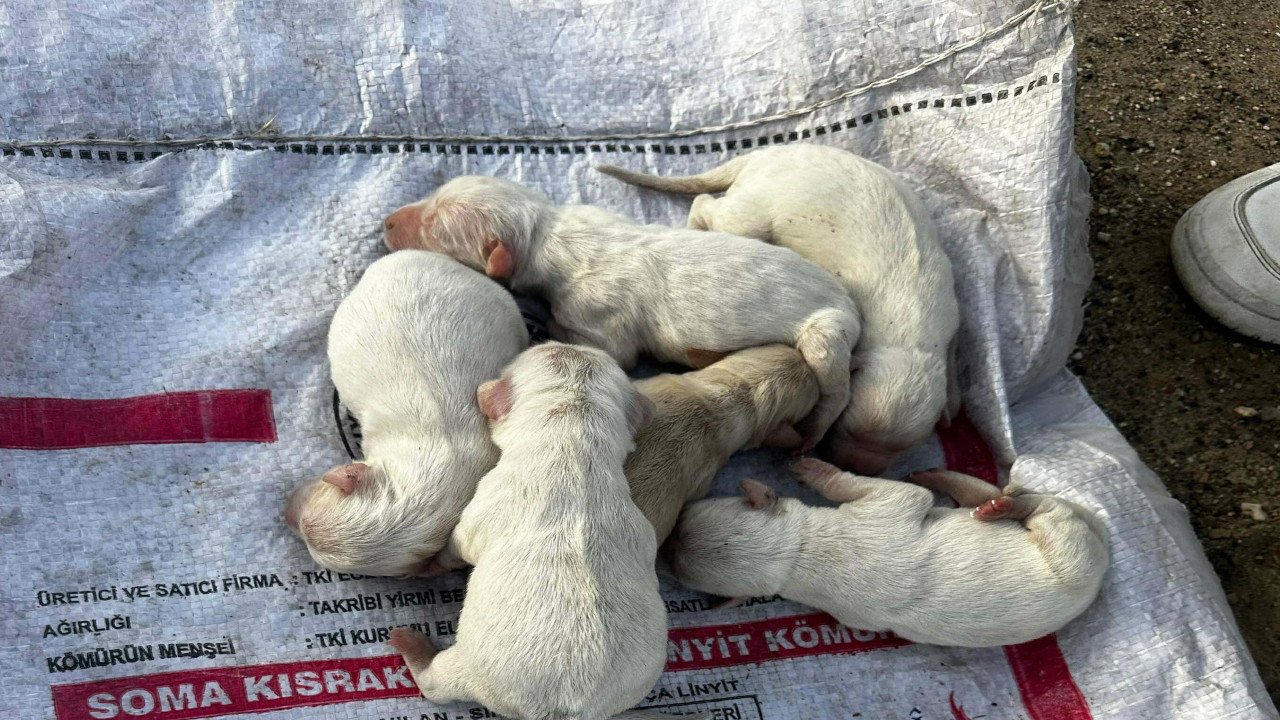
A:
(499, 262)
(759, 496)
(640, 412)
(348, 478)
(494, 398)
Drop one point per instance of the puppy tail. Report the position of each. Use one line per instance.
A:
(717, 179)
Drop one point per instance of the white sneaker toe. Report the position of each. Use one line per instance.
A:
(1226, 250)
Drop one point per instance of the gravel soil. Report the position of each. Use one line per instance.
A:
(1175, 98)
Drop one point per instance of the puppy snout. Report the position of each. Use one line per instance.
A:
(399, 227)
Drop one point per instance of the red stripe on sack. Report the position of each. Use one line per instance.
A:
(966, 451)
(236, 690)
(699, 648)
(1039, 668)
(263, 688)
(198, 416)
(1048, 690)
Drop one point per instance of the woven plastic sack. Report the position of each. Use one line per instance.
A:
(187, 190)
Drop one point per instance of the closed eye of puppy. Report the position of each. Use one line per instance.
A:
(407, 348)
(679, 295)
(563, 617)
(752, 397)
(1001, 569)
(861, 222)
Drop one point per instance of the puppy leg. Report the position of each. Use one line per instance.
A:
(730, 215)
(625, 354)
(826, 342)
(966, 490)
(701, 216)
(841, 487)
(438, 676)
(447, 560)
(1072, 540)
(1022, 507)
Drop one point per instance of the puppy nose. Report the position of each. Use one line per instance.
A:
(400, 229)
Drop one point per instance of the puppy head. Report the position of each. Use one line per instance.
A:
(565, 386)
(734, 546)
(488, 224)
(897, 397)
(354, 520)
(782, 387)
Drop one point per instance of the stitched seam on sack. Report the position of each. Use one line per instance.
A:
(335, 145)
(1031, 11)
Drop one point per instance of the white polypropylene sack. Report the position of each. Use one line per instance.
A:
(183, 277)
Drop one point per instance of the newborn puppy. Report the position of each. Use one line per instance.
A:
(1011, 569)
(407, 349)
(678, 295)
(858, 220)
(751, 397)
(563, 617)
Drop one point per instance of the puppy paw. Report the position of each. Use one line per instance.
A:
(812, 471)
(995, 509)
(728, 603)
(414, 647)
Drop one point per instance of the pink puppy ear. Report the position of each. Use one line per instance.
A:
(494, 398)
(500, 264)
(347, 478)
(759, 496)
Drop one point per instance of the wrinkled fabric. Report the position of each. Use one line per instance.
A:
(256, 147)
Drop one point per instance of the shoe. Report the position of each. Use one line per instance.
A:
(1226, 250)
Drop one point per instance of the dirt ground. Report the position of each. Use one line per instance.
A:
(1175, 98)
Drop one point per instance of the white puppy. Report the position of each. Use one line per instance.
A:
(407, 349)
(861, 222)
(563, 617)
(700, 418)
(1012, 569)
(629, 288)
